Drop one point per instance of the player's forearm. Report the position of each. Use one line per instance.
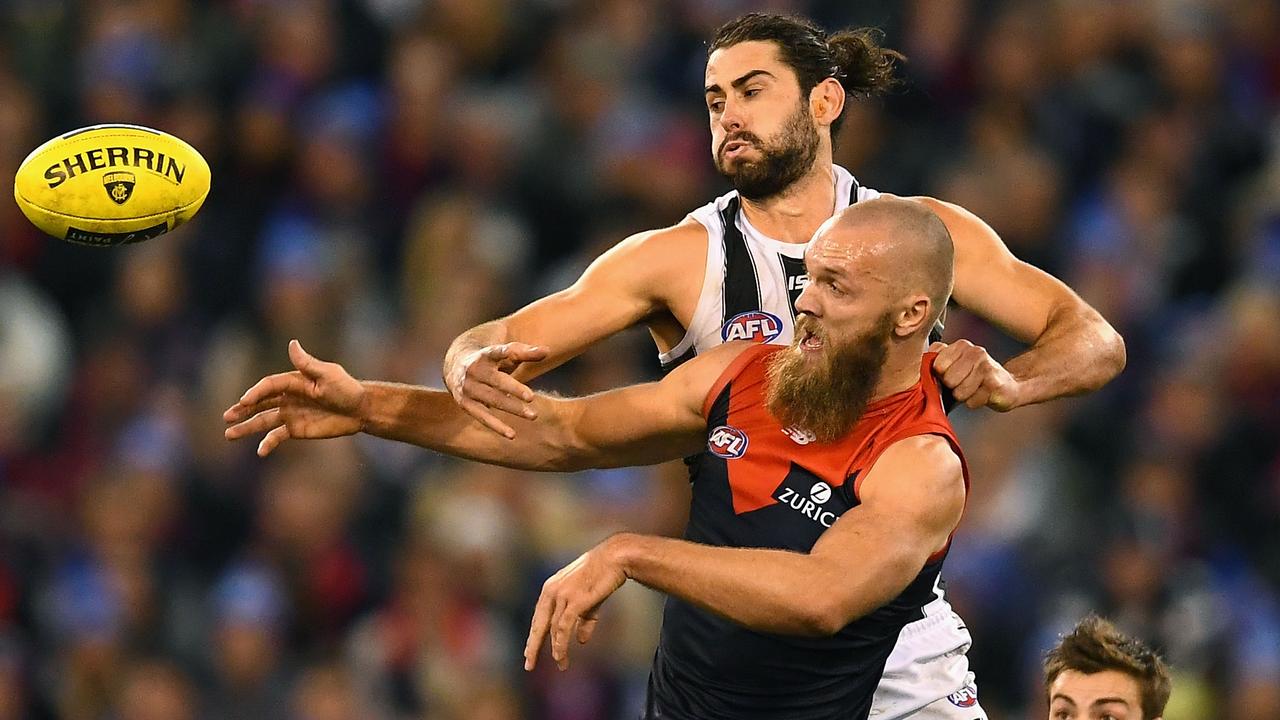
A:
(513, 328)
(494, 332)
(1078, 353)
(772, 591)
(431, 419)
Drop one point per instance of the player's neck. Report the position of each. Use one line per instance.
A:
(795, 214)
(901, 372)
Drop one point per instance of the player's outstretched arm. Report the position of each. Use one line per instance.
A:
(316, 400)
(636, 425)
(486, 367)
(912, 500)
(1073, 349)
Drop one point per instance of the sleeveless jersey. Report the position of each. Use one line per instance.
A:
(760, 485)
(751, 281)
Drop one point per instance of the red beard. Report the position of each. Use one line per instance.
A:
(825, 393)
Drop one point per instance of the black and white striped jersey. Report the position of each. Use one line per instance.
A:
(751, 281)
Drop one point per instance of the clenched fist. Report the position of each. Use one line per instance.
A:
(974, 377)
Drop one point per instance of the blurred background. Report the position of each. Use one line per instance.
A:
(388, 173)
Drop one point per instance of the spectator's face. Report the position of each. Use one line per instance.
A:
(325, 694)
(12, 693)
(763, 136)
(156, 693)
(246, 654)
(1106, 695)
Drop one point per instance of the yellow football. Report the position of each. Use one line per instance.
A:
(111, 184)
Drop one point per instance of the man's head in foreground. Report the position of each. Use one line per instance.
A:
(1096, 672)
(880, 273)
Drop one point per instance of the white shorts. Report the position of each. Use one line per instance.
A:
(927, 675)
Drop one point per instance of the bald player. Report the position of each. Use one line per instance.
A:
(826, 485)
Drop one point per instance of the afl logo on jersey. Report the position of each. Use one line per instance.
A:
(965, 697)
(754, 325)
(727, 442)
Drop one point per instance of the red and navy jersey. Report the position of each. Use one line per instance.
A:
(761, 485)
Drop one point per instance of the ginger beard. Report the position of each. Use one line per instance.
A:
(786, 158)
(825, 391)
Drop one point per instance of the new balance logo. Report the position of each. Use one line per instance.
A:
(799, 436)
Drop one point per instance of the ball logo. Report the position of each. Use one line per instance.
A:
(119, 186)
(727, 442)
(820, 493)
(965, 697)
(753, 325)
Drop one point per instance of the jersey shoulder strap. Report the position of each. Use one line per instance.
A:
(741, 281)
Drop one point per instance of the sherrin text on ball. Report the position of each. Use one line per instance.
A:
(111, 184)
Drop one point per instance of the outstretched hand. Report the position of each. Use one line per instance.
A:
(317, 400)
(974, 377)
(569, 605)
(481, 382)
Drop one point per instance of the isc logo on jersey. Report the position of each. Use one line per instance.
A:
(754, 325)
(727, 442)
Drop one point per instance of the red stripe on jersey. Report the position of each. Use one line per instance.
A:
(771, 448)
(731, 371)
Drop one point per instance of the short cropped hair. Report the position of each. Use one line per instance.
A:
(1095, 645)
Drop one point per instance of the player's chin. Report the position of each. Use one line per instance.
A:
(733, 164)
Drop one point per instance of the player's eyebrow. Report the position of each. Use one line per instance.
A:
(1060, 696)
(737, 83)
(1107, 700)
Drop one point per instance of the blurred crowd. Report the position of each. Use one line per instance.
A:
(388, 173)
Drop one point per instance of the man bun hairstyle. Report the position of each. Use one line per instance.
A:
(854, 57)
(1095, 645)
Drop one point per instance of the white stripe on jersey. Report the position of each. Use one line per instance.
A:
(704, 332)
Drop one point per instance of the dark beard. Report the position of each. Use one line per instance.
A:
(782, 165)
(826, 395)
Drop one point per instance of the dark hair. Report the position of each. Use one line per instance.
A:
(1096, 645)
(854, 56)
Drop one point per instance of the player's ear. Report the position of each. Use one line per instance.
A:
(826, 101)
(913, 315)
